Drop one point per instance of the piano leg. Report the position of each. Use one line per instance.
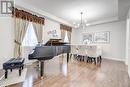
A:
(67, 57)
(6, 74)
(42, 68)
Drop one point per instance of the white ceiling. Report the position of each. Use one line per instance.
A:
(94, 10)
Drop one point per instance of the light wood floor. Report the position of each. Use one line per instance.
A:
(77, 74)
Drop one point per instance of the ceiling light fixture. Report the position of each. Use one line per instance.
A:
(82, 23)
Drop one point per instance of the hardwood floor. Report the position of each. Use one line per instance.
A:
(77, 74)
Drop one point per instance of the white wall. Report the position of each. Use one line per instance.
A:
(50, 26)
(6, 39)
(129, 47)
(116, 48)
(128, 42)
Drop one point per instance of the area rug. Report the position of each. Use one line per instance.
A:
(13, 78)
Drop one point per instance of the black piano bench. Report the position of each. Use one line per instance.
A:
(13, 63)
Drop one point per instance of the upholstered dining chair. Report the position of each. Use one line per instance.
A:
(82, 54)
(99, 52)
(94, 54)
(74, 51)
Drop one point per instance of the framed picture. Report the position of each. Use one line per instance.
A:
(53, 34)
(102, 37)
(87, 38)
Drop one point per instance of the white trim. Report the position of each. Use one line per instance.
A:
(106, 20)
(117, 59)
(126, 61)
(129, 73)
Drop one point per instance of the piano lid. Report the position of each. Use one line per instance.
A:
(54, 42)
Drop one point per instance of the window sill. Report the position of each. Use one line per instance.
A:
(27, 46)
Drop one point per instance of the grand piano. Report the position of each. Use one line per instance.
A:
(53, 47)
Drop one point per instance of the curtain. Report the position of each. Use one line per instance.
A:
(21, 14)
(38, 28)
(69, 36)
(62, 34)
(20, 30)
(64, 29)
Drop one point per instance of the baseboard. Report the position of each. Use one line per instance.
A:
(117, 59)
(126, 62)
(129, 72)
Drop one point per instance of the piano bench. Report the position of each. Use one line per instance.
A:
(13, 63)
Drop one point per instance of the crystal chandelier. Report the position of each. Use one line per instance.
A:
(82, 24)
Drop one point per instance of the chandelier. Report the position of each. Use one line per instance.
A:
(82, 24)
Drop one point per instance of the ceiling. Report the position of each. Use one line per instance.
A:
(95, 11)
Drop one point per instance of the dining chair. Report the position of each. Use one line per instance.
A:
(94, 54)
(74, 51)
(82, 54)
(99, 52)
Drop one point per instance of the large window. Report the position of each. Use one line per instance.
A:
(30, 38)
(66, 37)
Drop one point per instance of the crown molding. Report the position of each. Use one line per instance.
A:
(40, 12)
(106, 20)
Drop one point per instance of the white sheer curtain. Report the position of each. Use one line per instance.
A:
(66, 39)
(69, 36)
(30, 38)
(62, 34)
(65, 36)
(38, 28)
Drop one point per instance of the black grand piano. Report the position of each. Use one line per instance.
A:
(53, 47)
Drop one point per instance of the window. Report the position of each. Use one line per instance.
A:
(66, 37)
(30, 38)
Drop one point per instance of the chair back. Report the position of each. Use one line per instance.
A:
(99, 50)
(74, 49)
(82, 50)
(92, 51)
